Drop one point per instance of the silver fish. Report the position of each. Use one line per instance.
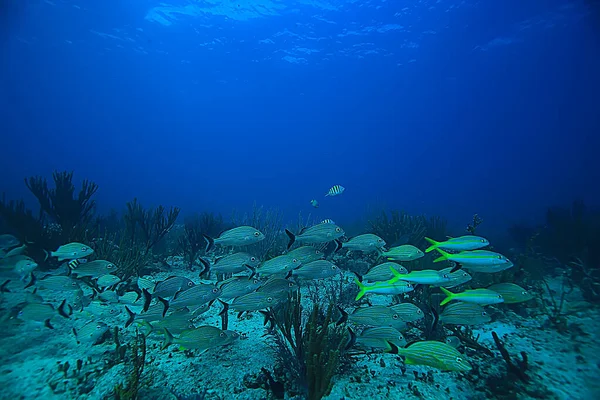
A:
(319, 233)
(37, 312)
(379, 336)
(202, 338)
(365, 243)
(240, 236)
(95, 268)
(320, 269)
(72, 251)
(278, 287)
(464, 314)
(234, 263)
(408, 312)
(90, 333)
(58, 283)
(373, 316)
(172, 285)
(176, 322)
(195, 296)
(7, 241)
(382, 272)
(306, 254)
(254, 301)
(278, 265)
(238, 286)
(101, 309)
(108, 280)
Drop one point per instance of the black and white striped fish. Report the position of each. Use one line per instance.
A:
(335, 190)
(328, 221)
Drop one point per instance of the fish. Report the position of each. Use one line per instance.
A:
(433, 354)
(382, 272)
(335, 190)
(278, 287)
(455, 278)
(201, 338)
(129, 298)
(38, 312)
(327, 221)
(7, 241)
(314, 203)
(408, 312)
(464, 314)
(108, 296)
(405, 252)
(238, 286)
(95, 268)
(58, 283)
(240, 236)
(176, 322)
(320, 269)
(155, 312)
(385, 288)
(306, 254)
(482, 260)
(147, 284)
(172, 285)
(366, 243)
(511, 292)
(477, 296)
(372, 316)
(255, 301)
(467, 242)
(377, 338)
(90, 333)
(319, 233)
(108, 280)
(453, 341)
(10, 262)
(423, 277)
(278, 265)
(234, 263)
(17, 251)
(195, 296)
(71, 251)
(97, 308)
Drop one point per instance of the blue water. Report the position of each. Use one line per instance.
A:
(435, 107)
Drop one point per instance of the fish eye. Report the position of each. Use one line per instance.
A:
(191, 326)
(499, 296)
(459, 359)
(294, 260)
(84, 249)
(380, 240)
(483, 313)
(222, 334)
(112, 311)
(338, 229)
(215, 290)
(256, 234)
(500, 257)
(98, 326)
(291, 284)
(419, 312)
(73, 283)
(395, 316)
(333, 267)
(482, 240)
(446, 276)
(190, 284)
(255, 281)
(269, 299)
(524, 292)
(252, 258)
(109, 266)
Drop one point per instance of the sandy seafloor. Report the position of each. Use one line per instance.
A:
(561, 365)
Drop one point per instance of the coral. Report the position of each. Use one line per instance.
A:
(518, 367)
(21, 221)
(191, 243)
(135, 379)
(148, 227)
(74, 214)
(472, 227)
(399, 227)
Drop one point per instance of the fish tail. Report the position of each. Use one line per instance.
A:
(352, 340)
(434, 244)
(168, 339)
(147, 299)
(46, 255)
(210, 243)
(206, 268)
(61, 309)
(148, 327)
(449, 296)
(363, 289)
(338, 245)
(392, 348)
(165, 303)
(3, 288)
(397, 276)
(444, 255)
(131, 317)
(292, 238)
(343, 318)
(47, 324)
(32, 280)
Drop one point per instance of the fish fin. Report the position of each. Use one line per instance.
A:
(46, 255)
(434, 244)
(61, 309)
(392, 347)
(147, 299)
(449, 296)
(358, 276)
(165, 303)
(456, 267)
(47, 324)
(397, 276)
(210, 243)
(131, 317)
(338, 245)
(292, 238)
(436, 319)
(289, 274)
(363, 289)
(149, 328)
(3, 288)
(32, 280)
(206, 269)
(168, 339)
(343, 318)
(410, 361)
(352, 340)
(444, 255)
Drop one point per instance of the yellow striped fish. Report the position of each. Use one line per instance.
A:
(433, 354)
(335, 190)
